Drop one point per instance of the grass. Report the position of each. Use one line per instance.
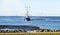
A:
(41, 33)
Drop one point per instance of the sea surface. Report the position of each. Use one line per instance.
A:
(44, 22)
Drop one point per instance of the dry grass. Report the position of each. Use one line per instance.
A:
(40, 33)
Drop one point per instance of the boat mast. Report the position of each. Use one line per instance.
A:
(27, 12)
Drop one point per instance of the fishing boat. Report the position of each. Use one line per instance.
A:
(27, 17)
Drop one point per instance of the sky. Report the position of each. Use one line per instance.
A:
(37, 7)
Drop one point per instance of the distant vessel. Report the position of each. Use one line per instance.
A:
(27, 14)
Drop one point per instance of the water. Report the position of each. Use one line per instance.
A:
(46, 22)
